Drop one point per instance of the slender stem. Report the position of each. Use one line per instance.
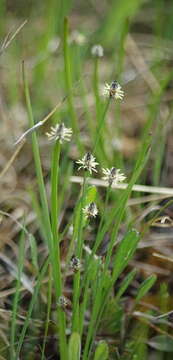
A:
(95, 87)
(31, 306)
(37, 160)
(100, 126)
(54, 189)
(56, 248)
(17, 296)
(98, 240)
(75, 319)
(49, 302)
(68, 81)
(80, 239)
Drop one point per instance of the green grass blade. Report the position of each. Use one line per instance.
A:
(125, 284)
(74, 348)
(102, 351)
(125, 253)
(16, 296)
(31, 306)
(145, 287)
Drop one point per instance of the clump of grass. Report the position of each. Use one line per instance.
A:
(86, 273)
(94, 273)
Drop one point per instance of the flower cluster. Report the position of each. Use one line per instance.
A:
(113, 176)
(113, 91)
(63, 302)
(75, 264)
(59, 133)
(78, 38)
(88, 163)
(90, 210)
(97, 51)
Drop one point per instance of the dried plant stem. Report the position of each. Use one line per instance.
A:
(139, 188)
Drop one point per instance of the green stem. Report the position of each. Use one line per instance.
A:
(54, 190)
(49, 302)
(100, 126)
(75, 319)
(56, 248)
(17, 296)
(98, 239)
(37, 161)
(96, 88)
(69, 88)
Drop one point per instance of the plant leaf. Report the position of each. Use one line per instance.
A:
(125, 252)
(145, 287)
(125, 283)
(162, 343)
(102, 351)
(74, 348)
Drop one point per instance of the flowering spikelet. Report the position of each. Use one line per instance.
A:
(113, 90)
(75, 264)
(97, 51)
(90, 210)
(87, 163)
(63, 302)
(60, 133)
(77, 38)
(113, 176)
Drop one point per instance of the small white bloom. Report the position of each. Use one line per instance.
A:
(77, 37)
(75, 264)
(88, 163)
(97, 50)
(53, 44)
(59, 132)
(90, 210)
(113, 90)
(63, 302)
(113, 176)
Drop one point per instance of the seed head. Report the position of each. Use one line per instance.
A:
(87, 163)
(59, 133)
(90, 210)
(113, 176)
(113, 91)
(75, 264)
(97, 51)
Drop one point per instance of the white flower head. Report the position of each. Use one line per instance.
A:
(63, 302)
(53, 44)
(87, 163)
(113, 91)
(60, 133)
(90, 210)
(97, 50)
(113, 176)
(75, 263)
(77, 37)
